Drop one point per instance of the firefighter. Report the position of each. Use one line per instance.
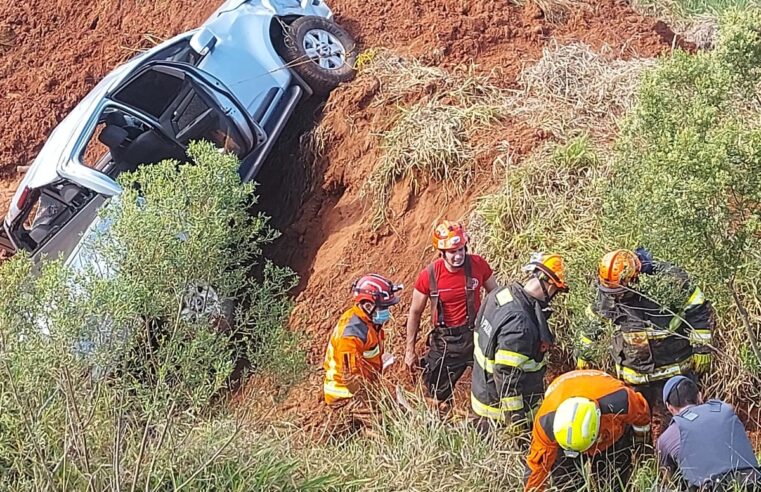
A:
(355, 351)
(586, 415)
(511, 339)
(650, 342)
(706, 442)
(453, 283)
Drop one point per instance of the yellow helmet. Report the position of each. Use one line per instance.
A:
(577, 424)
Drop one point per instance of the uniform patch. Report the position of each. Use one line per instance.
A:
(504, 296)
(486, 327)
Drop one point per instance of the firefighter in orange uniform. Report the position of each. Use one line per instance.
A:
(586, 415)
(355, 350)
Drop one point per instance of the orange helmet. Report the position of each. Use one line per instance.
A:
(449, 235)
(617, 269)
(549, 267)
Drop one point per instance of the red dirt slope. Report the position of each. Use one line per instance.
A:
(330, 243)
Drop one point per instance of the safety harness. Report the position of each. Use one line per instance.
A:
(437, 307)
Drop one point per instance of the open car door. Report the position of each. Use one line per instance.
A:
(184, 105)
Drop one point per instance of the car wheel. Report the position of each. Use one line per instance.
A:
(320, 52)
(201, 301)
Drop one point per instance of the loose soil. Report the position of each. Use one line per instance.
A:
(327, 239)
(52, 53)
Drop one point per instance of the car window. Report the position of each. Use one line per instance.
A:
(184, 109)
(47, 210)
(121, 142)
(152, 92)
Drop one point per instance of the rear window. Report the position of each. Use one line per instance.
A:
(151, 93)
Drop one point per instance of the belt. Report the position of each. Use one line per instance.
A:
(457, 330)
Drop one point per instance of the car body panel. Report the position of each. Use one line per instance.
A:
(236, 65)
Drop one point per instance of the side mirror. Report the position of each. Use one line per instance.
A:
(203, 41)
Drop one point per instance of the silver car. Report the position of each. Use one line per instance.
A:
(234, 81)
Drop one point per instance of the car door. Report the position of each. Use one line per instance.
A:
(185, 106)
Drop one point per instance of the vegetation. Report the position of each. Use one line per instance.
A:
(683, 181)
(691, 148)
(432, 138)
(687, 8)
(108, 368)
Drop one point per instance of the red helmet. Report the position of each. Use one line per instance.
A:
(376, 289)
(449, 235)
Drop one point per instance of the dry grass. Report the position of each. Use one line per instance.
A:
(558, 10)
(398, 76)
(430, 139)
(574, 89)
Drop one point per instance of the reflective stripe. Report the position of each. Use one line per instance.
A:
(519, 361)
(509, 358)
(586, 341)
(372, 353)
(512, 403)
(700, 336)
(334, 389)
(486, 364)
(696, 298)
(641, 429)
(485, 410)
(632, 376)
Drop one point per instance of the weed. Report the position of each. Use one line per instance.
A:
(572, 89)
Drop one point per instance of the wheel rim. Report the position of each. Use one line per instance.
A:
(324, 49)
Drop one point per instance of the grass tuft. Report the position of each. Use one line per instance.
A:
(574, 89)
(430, 139)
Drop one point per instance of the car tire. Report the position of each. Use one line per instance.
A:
(320, 52)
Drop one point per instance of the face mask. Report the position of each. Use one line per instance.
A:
(380, 316)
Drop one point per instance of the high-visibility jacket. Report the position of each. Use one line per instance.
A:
(354, 354)
(511, 339)
(620, 407)
(651, 344)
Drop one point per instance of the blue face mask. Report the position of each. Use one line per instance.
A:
(380, 316)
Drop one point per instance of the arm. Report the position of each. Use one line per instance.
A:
(514, 344)
(419, 300)
(595, 325)
(490, 284)
(700, 320)
(539, 461)
(638, 415)
(667, 449)
(350, 363)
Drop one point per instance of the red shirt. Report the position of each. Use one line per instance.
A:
(452, 287)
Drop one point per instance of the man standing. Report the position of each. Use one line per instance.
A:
(651, 341)
(355, 350)
(453, 283)
(512, 337)
(585, 415)
(706, 442)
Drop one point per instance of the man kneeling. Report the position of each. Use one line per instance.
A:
(706, 442)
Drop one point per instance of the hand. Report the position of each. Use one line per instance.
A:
(701, 363)
(411, 361)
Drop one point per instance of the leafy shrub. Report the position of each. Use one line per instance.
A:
(106, 379)
(551, 202)
(687, 180)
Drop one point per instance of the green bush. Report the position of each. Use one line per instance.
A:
(687, 180)
(106, 380)
(550, 202)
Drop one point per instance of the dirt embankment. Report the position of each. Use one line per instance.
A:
(330, 241)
